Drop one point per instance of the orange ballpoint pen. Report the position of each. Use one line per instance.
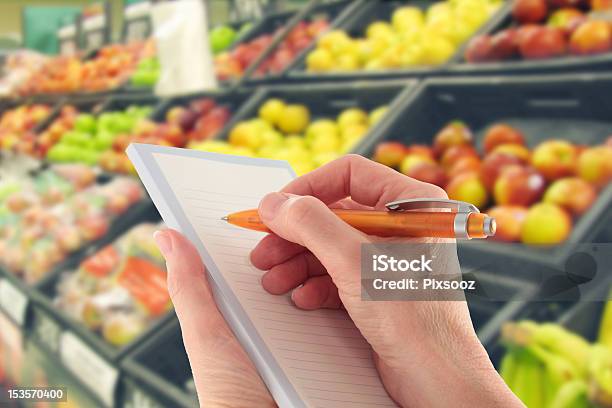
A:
(402, 219)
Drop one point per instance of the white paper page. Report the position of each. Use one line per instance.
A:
(321, 353)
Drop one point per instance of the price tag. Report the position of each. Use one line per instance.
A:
(94, 371)
(137, 21)
(47, 331)
(10, 335)
(134, 397)
(13, 301)
(67, 39)
(94, 28)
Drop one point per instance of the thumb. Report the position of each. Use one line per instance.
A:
(307, 221)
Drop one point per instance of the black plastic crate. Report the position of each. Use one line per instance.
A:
(355, 25)
(156, 373)
(336, 12)
(120, 102)
(575, 108)
(583, 318)
(460, 66)
(329, 99)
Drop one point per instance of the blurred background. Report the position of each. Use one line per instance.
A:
(504, 104)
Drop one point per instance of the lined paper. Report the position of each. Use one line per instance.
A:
(322, 353)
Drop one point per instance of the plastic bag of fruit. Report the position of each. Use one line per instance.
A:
(119, 291)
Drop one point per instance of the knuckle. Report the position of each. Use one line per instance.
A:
(301, 209)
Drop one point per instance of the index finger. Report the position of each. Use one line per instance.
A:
(365, 181)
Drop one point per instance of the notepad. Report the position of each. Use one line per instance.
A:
(306, 358)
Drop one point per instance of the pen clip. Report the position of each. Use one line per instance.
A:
(429, 203)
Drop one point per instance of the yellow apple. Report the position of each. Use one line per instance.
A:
(294, 119)
(379, 29)
(294, 141)
(322, 126)
(320, 60)
(406, 18)
(377, 114)
(347, 62)
(323, 158)
(272, 110)
(245, 134)
(324, 143)
(352, 116)
(437, 50)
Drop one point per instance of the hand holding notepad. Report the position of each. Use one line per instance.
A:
(317, 357)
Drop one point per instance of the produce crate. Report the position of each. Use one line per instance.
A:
(234, 100)
(576, 108)
(336, 12)
(328, 100)
(61, 335)
(356, 24)
(155, 374)
(501, 296)
(122, 101)
(459, 66)
(582, 318)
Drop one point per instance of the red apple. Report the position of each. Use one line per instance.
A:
(428, 173)
(565, 18)
(455, 153)
(480, 49)
(500, 134)
(390, 153)
(516, 150)
(421, 150)
(591, 37)
(518, 185)
(504, 44)
(174, 114)
(572, 193)
(202, 106)
(509, 220)
(601, 5)
(529, 11)
(412, 160)
(545, 42)
(546, 224)
(595, 165)
(555, 159)
(566, 3)
(492, 166)
(468, 187)
(466, 164)
(453, 134)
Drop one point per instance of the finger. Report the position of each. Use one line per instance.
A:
(307, 221)
(366, 182)
(349, 204)
(273, 250)
(316, 293)
(290, 274)
(213, 351)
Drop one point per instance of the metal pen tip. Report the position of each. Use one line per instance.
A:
(225, 218)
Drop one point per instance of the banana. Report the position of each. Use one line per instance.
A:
(605, 327)
(558, 367)
(528, 384)
(572, 394)
(600, 375)
(509, 366)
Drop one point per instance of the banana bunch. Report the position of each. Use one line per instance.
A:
(547, 366)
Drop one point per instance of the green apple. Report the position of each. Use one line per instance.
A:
(86, 123)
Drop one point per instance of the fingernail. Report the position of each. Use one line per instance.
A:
(270, 204)
(164, 242)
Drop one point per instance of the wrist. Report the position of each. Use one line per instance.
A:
(451, 370)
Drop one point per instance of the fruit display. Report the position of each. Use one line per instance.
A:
(412, 38)
(111, 67)
(534, 194)
(119, 291)
(91, 135)
(547, 365)
(544, 29)
(221, 38)
(17, 68)
(184, 126)
(232, 64)
(37, 145)
(20, 122)
(59, 213)
(287, 131)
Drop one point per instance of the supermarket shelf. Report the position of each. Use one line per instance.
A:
(572, 107)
